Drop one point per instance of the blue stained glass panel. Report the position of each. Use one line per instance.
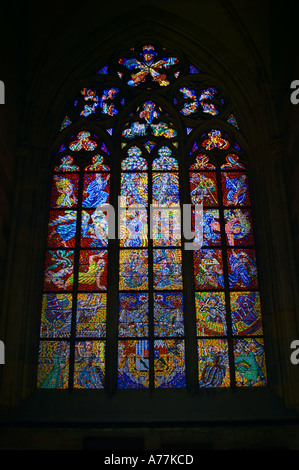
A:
(133, 315)
(96, 188)
(242, 270)
(246, 313)
(133, 364)
(166, 189)
(89, 367)
(168, 314)
(169, 363)
(134, 189)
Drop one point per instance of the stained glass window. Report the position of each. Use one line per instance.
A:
(148, 134)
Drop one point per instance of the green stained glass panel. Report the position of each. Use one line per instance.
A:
(53, 364)
(59, 270)
(249, 357)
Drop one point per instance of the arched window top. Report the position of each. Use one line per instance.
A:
(142, 124)
(172, 87)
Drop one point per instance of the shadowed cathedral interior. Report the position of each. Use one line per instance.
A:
(245, 49)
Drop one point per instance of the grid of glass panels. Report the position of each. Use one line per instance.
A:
(74, 304)
(147, 141)
(227, 300)
(151, 347)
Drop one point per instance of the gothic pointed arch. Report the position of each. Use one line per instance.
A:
(157, 129)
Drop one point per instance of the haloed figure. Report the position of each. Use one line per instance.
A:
(214, 372)
(91, 374)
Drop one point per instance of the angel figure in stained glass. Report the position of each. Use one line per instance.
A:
(64, 226)
(135, 224)
(211, 226)
(66, 191)
(237, 189)
(96, 191)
